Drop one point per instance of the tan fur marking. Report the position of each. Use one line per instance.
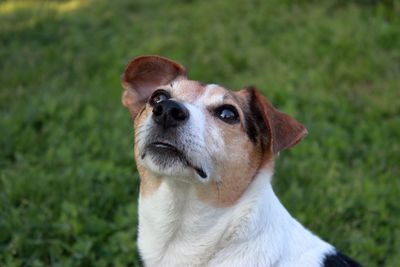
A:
(187, 90)
(241, 161)
(238, 169)
(149, 183)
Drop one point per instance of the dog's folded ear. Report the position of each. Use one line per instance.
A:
(282, 131)
(143, 75)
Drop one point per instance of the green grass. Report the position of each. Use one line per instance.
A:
(68, 185)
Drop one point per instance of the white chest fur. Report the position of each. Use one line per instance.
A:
(176, 229)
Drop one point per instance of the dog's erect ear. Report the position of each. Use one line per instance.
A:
(282, 130)
(143, 75)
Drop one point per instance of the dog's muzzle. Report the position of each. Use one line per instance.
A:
(170, 113)
(165, 142)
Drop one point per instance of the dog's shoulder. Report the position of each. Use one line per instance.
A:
(338, 259)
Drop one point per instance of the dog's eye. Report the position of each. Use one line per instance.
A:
(228, 114)
(159, 96)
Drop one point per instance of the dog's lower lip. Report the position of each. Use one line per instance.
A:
(164, 146)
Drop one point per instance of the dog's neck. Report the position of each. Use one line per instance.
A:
(176, 229)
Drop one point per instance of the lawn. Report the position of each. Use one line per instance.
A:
(68, 184)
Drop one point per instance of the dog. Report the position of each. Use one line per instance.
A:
(205, 156)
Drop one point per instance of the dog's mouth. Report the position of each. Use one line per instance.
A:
(168, 151)
(165, 146)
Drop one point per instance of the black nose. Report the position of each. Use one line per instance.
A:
(169, 113)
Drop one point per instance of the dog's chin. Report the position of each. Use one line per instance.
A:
(166, 160)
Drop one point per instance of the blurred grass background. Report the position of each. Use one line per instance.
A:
(68, 185)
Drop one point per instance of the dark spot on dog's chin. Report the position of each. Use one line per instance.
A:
(201, 173)
(143, 155)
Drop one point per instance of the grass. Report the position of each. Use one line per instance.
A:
(68, 185)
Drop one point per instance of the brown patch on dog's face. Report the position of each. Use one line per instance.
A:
(227, 139)
(264, 131)
(245, 152)
(149, 182)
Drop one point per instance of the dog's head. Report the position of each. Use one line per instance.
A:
(202, 134)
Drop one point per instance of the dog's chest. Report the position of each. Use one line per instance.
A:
(173, 223)
(175, 229)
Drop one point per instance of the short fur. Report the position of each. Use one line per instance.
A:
(206, 197)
